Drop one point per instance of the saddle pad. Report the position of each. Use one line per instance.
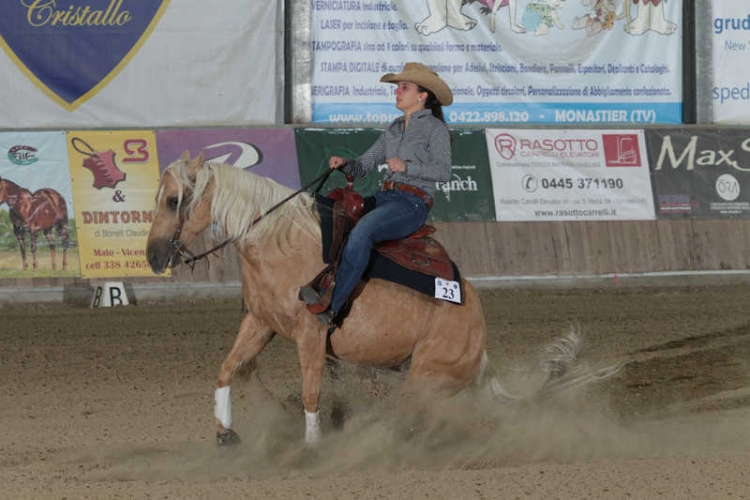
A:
(383, 268)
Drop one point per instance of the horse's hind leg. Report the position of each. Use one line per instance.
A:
(446, 360)
(32, 245)
(62, 232)
(51, 242)
(251, 339)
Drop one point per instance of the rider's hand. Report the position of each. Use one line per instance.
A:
(396, 165)
(337, 162)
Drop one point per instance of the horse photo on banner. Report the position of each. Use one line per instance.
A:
(114, 176)
(37, 230)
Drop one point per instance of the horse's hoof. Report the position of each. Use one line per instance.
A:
(227, 437)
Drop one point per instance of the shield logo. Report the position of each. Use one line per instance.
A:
(71, 50)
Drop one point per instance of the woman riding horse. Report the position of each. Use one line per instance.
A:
(417, 149)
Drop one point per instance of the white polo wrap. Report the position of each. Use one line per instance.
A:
(312, 427)
(223, 408)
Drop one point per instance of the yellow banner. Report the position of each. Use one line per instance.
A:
(114, 177)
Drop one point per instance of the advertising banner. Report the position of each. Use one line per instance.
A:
(37, 228)
(115, 176)
(316, 146)
(544, 61)
(466, 197)
(730, 27)
(267, 152)
(555, 175)
(130, 63)
(700, 173)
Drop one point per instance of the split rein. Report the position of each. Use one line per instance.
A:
(181, 250)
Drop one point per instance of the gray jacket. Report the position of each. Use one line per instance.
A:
(425, 147)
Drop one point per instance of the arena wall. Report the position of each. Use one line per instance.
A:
(560, 254)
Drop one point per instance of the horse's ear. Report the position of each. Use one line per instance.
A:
(185, 156)
(194, 164)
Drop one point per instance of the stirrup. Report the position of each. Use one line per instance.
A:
(317, 303)
(326, 317)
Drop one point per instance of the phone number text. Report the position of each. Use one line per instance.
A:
(488, 116)
(127, 264)
(580, 183)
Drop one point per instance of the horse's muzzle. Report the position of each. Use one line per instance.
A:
(163, 253)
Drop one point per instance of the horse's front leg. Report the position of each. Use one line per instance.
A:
(311, 347)
(18, 231)
(251, 339)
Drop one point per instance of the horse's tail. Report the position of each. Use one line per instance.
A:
(559, 368)
(487, 379)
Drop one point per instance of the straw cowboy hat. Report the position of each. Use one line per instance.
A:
(423, 76)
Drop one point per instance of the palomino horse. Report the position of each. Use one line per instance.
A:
(388, 324)
(43, 210)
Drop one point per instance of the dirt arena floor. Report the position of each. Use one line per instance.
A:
(118, 403)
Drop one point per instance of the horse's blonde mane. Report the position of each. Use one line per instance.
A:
(239, 197)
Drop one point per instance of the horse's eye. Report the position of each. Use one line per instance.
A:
(172, 202)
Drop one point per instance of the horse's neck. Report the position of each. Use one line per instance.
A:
(15, 195)
(285, 261)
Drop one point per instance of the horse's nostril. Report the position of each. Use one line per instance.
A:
(155, 259)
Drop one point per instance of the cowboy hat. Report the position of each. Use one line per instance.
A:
(424, 77)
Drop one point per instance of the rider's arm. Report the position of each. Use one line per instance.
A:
(360, 167)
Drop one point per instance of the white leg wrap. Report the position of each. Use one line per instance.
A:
(312, 427)
(223, 408)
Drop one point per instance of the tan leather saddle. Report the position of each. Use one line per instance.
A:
(418, 251)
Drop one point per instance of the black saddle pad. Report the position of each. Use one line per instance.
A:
(386, 269)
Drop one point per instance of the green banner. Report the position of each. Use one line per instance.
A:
(466, 197)
(316, 146)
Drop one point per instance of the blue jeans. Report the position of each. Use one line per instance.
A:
(396, 215)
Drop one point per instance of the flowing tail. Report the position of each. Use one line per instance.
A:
(559, 368)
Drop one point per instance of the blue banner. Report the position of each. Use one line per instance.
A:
(511, 113)
(71, 49)
(540, 61)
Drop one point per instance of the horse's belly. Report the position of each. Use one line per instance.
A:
(371, 346)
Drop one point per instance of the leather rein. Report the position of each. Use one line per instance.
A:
(181, 250)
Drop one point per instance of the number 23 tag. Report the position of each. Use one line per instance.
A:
(448, 290)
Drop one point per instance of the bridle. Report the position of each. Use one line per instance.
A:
(179, 248)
